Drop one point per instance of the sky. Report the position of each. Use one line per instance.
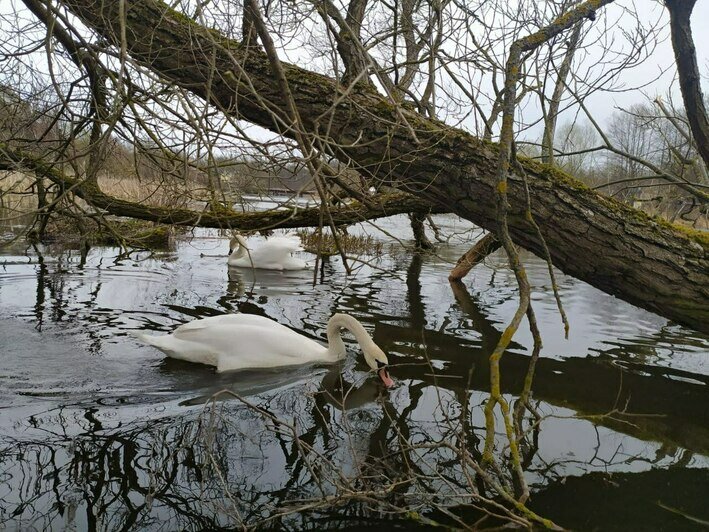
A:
(603, 105)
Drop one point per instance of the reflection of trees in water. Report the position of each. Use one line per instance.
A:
(235, 465)
(117, 480)
(352, 451)
(365, 460)
(289, 453)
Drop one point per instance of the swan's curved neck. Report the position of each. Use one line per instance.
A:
(335, 345)
(237, 249)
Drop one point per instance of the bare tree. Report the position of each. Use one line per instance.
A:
(390, 144)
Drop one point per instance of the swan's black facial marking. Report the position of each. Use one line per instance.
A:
(384, 374)
(380, 364)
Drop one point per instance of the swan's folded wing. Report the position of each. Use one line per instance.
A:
(252, 345)
(287, 243)
(233, 320)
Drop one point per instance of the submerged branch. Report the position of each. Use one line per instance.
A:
(484, 247)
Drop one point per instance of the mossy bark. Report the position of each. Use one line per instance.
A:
(617, 249)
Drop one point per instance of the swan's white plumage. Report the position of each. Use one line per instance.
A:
(243, 341)
(272, 254)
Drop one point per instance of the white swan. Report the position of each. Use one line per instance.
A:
(243, 341)
(273, 254)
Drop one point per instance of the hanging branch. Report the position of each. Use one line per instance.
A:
(306, 147)
(514, 63)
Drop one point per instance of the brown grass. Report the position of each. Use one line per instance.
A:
(351, 244)
(16, 196)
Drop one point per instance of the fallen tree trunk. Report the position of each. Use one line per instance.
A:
(647, 262)
(224, 218)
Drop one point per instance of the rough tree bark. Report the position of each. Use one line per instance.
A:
(474, 256)
(615, 248)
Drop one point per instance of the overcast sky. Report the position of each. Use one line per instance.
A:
(663, 57)
(603, 104)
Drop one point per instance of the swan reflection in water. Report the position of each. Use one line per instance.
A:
(334, 389)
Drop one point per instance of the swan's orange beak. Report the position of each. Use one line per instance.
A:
(386, 379)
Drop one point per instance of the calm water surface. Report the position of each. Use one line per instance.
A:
(98, 431)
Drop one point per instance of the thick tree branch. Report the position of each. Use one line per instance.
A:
(354, 212)
(688, 72)
(474, 256)
(555, 101)
(349, 45)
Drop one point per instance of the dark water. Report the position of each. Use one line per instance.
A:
(98, 431)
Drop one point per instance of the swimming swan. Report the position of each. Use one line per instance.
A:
(273, 254)
(243, 341)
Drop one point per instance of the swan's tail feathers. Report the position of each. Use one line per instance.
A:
(144, 337)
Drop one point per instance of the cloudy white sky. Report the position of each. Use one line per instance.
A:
(604, 104)
(662, 59)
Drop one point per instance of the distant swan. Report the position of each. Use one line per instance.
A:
(273, 254)
(243, 341)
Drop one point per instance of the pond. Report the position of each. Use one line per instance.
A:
(101, 432)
